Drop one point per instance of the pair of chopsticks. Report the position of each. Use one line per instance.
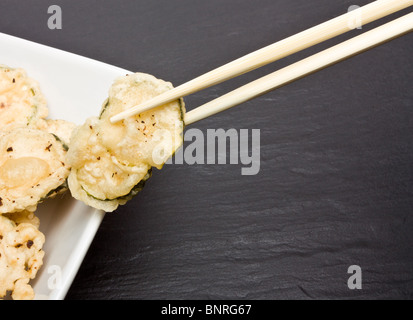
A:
(322, 32)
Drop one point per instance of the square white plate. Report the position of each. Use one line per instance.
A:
(75, 88)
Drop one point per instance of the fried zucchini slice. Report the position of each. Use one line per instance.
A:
(21, 101)
(97, 177)
(111, 162)
(151, 137)
(32, 166)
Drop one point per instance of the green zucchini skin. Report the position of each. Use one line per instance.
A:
(64, 145)
(104, 108)
(53, 193)
(134, 191)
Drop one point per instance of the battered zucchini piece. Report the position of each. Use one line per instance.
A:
(111, 162)
(151, 137)
(32, 167)
(97, 177)
(21, 101)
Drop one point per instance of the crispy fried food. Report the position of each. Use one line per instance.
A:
(60, 128)
(151, 137)
(32, 167)
(23, 217)
(97, 177)
(111, 162)
(21, 255)
(21, 101)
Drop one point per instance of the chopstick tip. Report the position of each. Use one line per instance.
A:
(115, 118)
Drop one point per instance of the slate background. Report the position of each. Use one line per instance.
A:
(336, 182)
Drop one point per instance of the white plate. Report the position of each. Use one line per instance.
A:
(75, 88)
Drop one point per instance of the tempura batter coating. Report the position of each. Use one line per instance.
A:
(60, 128)
(23, 217)
(32, 166)
(151, 137)
(97, 177)
(21, 101)
(111, 162)
(21, 256)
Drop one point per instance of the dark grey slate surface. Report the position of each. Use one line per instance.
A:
(336, 182)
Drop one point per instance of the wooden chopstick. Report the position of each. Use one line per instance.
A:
(271, 53)
(304, 67)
